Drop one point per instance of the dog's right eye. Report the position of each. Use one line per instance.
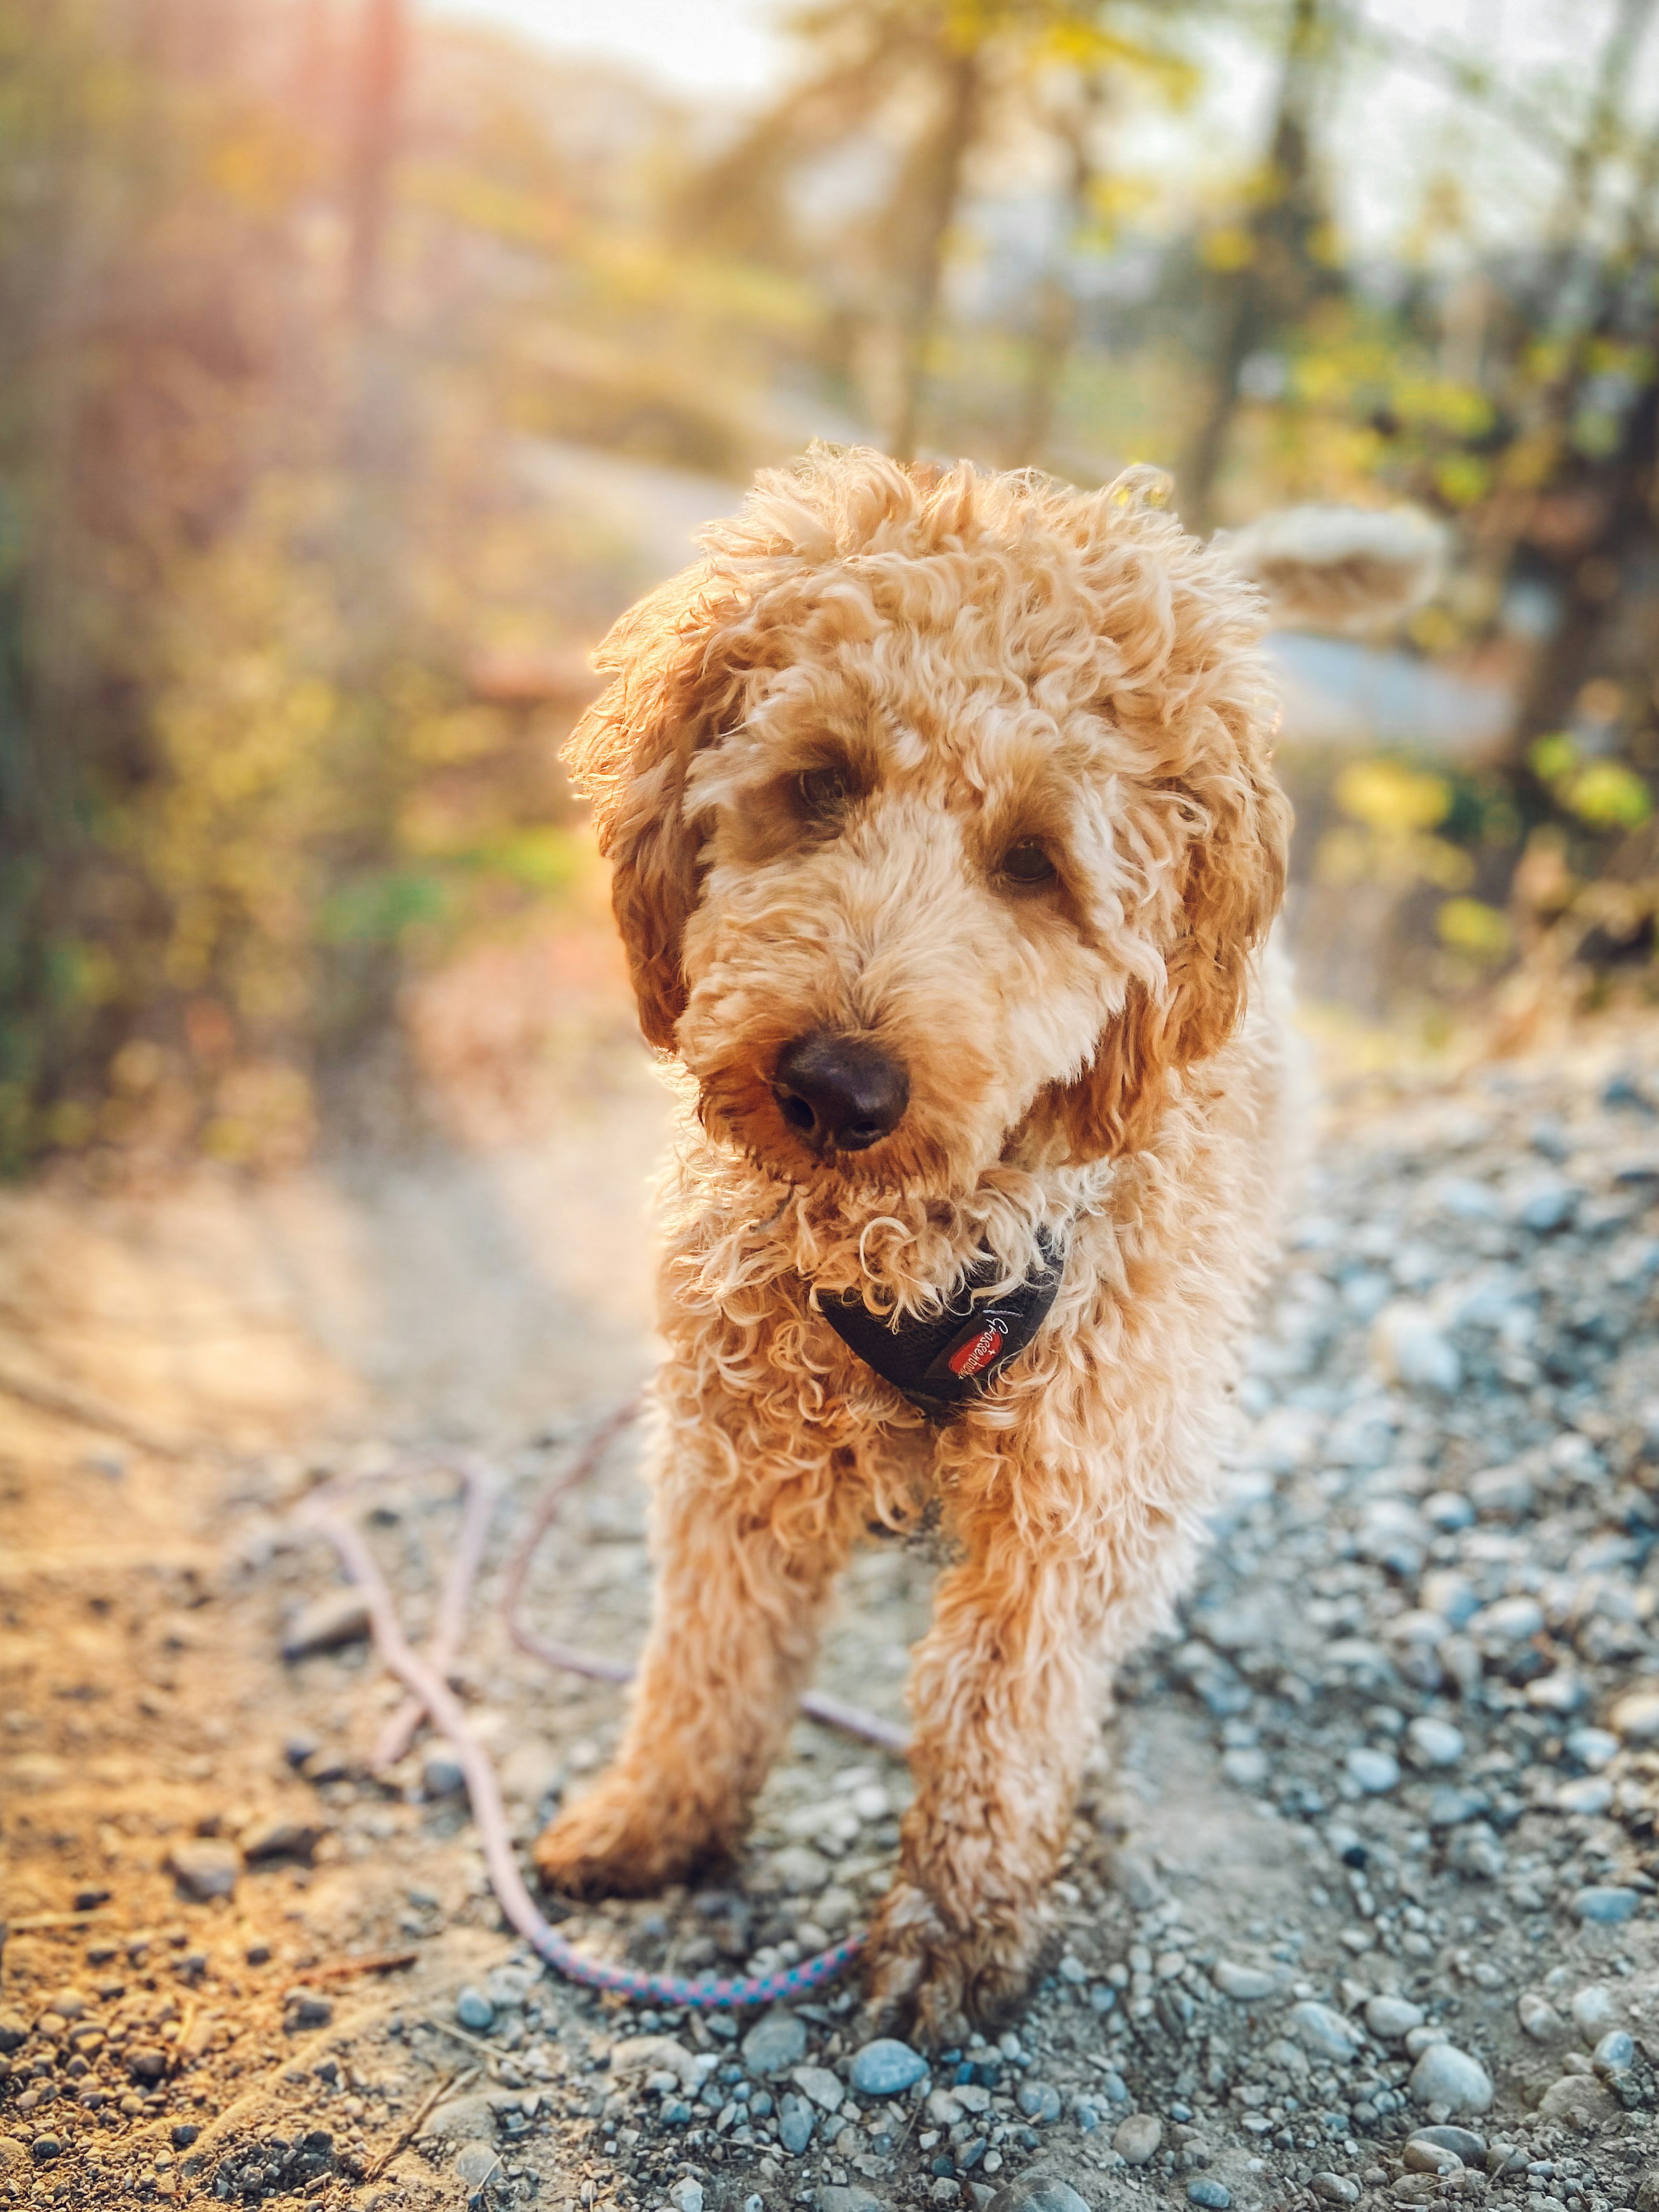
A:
(825, 794)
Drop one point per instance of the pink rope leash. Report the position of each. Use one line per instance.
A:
(429, 1693)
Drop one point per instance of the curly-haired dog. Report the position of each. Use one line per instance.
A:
(946, 847)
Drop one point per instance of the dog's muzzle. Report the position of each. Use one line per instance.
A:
(839, 1094)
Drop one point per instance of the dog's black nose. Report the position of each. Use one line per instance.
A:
(841, 1093)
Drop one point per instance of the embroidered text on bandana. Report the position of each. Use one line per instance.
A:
(942, 1362)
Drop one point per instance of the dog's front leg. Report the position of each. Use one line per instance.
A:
(749, 1529)
(1002, 1691)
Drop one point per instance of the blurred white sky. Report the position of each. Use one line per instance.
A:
(726, 46)
(1396, 133)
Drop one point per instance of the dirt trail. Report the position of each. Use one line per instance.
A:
(1270, 1855)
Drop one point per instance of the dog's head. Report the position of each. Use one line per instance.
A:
(941, 816)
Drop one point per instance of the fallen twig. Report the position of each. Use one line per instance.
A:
(341, 1969)
(455, 2082)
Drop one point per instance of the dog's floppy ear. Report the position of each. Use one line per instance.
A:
(630, 754)
(1232, 884)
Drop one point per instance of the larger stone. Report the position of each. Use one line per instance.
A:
(775, 2043)
(1579, 2099)
(1242, 1983)
(886, 2067)
(1606, 1903)
(1325, 2032)
(1038, 2192)
(1446, 2076)
(847, 2197)
(796, 2120)
(463, 2119)
(1635, 1717)
(1137, 2138)
(338, 1618)
(1391, 2019)
(205, 1866)
(1462, 2143)
(822, 2087)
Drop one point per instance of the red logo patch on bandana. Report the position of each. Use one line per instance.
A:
(979, 1352)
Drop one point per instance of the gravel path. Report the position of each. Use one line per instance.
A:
(1368, 1849)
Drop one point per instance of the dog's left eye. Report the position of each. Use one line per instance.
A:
(1026, 863)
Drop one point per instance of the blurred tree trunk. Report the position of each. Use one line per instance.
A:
(1056, 320)
(378, 69)
(934, 198)
(1278, 278)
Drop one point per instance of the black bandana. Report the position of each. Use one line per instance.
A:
(942, 1362)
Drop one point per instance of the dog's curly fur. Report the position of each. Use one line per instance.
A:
(986, 660)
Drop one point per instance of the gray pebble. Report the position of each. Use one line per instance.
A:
(1137, 2138)
(886, 2067)
(1635, 1717)
(473, 2010)
(1038, 2101)
(1433, 1742)
(1392, 2019)
(1242, 1982)
(1539, 2019)
(1615, 2052)
(14, 2032)
(796, 2121)
(1421, 2156)
(338, 1616)
(1325, 2032)
(1038, 2192)
(1606, 1903)
(1214, 2194)
(777, 2042)
(822, 2088)
(474, 2163)
(440, 1773)
(1335, 2188)
(1463, 2142)
(205, 1866)
(1446, 2076)
(1374, 1771)
(686, 2195)
(847, 2197)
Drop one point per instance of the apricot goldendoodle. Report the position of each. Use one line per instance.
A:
(945, 848)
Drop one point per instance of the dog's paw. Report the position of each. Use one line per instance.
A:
(937, 1986)
(620, 1841)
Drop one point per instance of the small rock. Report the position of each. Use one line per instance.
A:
(886, 2067)
(824, 2088)
(1593, 1747)
(1325, 2032)
(1411, 1347)
(1606, 1903)
(801, 1871)
(306, 2009)
(1244, 1984)
(68, 2003)
(1592, 2011)
(1374, 1771)
(1615, 2053)
(1590, 1795)
(147, 2063)
(183, 2135)
(1136, 2139)
(474, 2011)
(1038, 2192)
(686, 2195)
(796, 2121)
(14, 2032)
(777, 2042)
(847, 2197)
(1446, 2076)
(654, 2054)
(1647, 2191)
(1433, 1742)
(1335, 2188)
(280, 1838)
(1463, 2142)
(1391, 2019)
(1214, 2194)
(205, 1866)
(1635, 1717)
(474, 2163)
(1246, 1765)
(338, 1616)
(463, 2119)
(441, 1773)
(1579, 2099)
(1424, 2157)
(1039, 2102)
(45, 2149)
(1511, 1620)
(1539, 2019)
